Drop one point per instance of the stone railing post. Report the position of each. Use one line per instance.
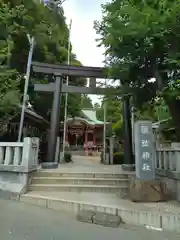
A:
(26, 153)
(111, 148)
(57, 155)
(30, 153)
(178, 161)
(35, 151)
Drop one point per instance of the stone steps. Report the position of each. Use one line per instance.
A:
(120, 190)
(104, 175)
(101, 182)
(80, 181)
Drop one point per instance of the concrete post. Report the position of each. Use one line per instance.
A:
(57, 150)
(177, 161)
(111, 147)
(26, 154)
(30, 153)
(86, 142)
(35, 151)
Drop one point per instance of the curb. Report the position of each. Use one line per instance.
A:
(154, 220)
(6, 195)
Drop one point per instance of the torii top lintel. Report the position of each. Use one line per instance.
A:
(69, 70)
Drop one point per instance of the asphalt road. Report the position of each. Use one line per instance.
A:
(20, 221)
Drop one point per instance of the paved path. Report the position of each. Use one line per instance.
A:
(19, 221)
(84, 165)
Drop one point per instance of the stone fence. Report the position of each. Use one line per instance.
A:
(19, 156)
(167, 163)
(168, 159)
(17, 161)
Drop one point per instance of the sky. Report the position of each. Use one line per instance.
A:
(83, 37)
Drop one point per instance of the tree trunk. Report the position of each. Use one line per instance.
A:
(174, 109)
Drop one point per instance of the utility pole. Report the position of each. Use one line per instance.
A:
(66, 96)
(132, 125)
(104, 135)
(28, 69)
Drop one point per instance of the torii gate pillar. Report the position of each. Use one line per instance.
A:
(54, 125)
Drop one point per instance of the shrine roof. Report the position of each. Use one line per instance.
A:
(90, 115)
(33, 114)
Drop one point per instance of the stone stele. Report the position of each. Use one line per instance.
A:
(147, 191)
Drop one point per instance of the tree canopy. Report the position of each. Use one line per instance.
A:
(9, 78)
(86, 101)
(47, 23)
(141, 40)
(114, 114)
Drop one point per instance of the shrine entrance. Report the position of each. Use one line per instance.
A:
(76, 140)
(84, 133)
(59, 72)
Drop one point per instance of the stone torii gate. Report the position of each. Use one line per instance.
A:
(58, 87)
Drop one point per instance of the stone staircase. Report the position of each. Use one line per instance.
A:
(53, 181)
(73, 192)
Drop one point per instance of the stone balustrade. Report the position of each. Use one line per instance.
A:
(167, 163)
(17, 161)
(168, 159)
(19, 156)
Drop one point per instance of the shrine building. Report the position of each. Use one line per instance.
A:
(84, 132)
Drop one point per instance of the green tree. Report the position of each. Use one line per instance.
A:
(86, 101)
(9, 78)
(113, 114)
(47, 24)
(161, 110)
(97, 106)
(141, 39)
(146, 112)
